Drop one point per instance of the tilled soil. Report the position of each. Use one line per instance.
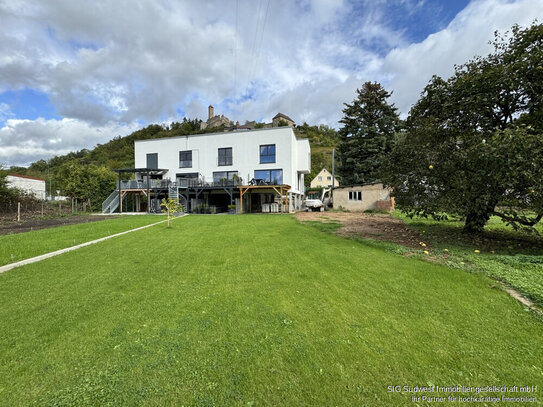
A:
(7, 228)
(372, 226)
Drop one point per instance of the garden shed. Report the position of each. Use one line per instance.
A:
(363, 198)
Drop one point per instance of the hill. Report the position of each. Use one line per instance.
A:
(323, 140)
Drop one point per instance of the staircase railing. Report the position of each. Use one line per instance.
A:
(111, 203)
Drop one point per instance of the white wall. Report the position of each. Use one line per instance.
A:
(28, 185)
(291, 154)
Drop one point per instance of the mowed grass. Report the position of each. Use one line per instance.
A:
(513, 257)
(20, 246)
(252, 310)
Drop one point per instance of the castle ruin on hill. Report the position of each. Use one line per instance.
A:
(213, 120)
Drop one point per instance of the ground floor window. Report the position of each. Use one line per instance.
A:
(270, 176)
(355, 195)
(187, 175)
(220, 176)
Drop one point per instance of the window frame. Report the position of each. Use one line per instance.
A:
(181, 161)
(229, 175)
(355, 195)
(225, 157)
(266, 148)
(148, 155)
(270, 179)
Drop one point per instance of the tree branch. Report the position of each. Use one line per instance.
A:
(522, 221)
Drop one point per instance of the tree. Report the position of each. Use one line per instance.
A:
(369, 124)
(473, 144)
(322, 140)
(7, 194)
(170, 206)
(86, 182)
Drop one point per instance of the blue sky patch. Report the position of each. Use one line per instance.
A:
(29, 104)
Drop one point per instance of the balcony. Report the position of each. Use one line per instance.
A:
(180, 183)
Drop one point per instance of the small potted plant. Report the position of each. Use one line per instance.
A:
(232, 209)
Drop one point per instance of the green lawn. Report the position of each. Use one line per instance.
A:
(252, 310)
(22, 246)
(516, 258)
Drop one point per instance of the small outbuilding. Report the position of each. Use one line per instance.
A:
(363, 198)
(30, 185)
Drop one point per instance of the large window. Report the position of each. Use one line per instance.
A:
(269, 176)
(152, 160)
(221, 176)
(267, 153)
(185, 159)
(225, 156)
(188, 179)
(355, 195)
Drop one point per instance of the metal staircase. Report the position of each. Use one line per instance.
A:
(111, 203)
(173, 192)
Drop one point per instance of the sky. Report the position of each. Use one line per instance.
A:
(75, 73)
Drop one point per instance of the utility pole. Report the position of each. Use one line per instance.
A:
(333, 173)
(49, 176)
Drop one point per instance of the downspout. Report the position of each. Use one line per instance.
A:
(148, 194)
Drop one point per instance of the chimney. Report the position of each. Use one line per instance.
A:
(210, 112)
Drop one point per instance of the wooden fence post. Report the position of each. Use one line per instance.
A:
(18, 211)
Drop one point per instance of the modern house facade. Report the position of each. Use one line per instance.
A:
(249, 169)
(324, 180)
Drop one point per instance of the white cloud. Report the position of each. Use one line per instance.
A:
(468, 35)
(121, 61)
(5, 112)
(25, 141)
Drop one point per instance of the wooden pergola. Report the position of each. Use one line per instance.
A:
(279, 189)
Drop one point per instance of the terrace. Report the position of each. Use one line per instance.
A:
(257, 195)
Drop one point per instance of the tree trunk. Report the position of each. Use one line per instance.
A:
(477, 218)
(475, 222)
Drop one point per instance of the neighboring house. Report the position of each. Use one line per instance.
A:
(249, 169)
(276, 121)
(323, 180)
(363, 198)
(30, 185)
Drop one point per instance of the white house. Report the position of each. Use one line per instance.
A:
(251, 169)
(30, 185)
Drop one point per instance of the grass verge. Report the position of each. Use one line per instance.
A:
(22, 246)
(513, 257)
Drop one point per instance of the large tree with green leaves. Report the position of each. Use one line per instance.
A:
(369, 124)
(473, 144)
(90, 183)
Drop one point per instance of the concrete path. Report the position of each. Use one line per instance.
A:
(8, 267)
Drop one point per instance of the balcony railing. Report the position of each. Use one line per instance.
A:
(180, 183)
